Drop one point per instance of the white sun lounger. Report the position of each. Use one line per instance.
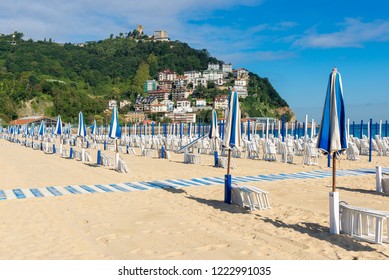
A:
(258, 197)
(223, 162)
(364, 224)
(250, 197)
(122, 166)
(240, 196)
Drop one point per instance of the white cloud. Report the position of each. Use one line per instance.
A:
(353, 33)
(84, 20)
(61, 19)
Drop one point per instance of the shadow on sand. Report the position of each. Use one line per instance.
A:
(373, 192)
(322, 233)
(216, 204)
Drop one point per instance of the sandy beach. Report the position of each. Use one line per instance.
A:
(188, 223)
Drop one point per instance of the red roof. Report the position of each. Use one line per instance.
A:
(26, 120)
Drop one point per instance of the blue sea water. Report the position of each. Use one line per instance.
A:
(182, 129)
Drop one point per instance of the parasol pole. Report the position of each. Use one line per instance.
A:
(228, 162)
(334, 172)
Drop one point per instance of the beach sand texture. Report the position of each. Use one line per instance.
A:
(190, 223)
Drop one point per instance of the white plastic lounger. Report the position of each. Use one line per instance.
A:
(241, 197)
(223, 162)
(258, 197)
(364, 224)
(250, 197)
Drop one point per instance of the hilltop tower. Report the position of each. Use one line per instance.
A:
(139, 28)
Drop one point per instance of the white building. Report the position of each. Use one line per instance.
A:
(241, 88)
(182, 117)
(240, 82)
(181, 81)
(169, 105)
(220, 102)
(192, 75)
(158, 108)
(167, 75)
(124, 103)
(199, 81)
(212, 66)
(183, 106)
(215, 76)
(112, 103)
(241, 73)
(241, 91)
(161, 35)
(201, 103)
(227, 68)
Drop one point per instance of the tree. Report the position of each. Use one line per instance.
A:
(141, 76)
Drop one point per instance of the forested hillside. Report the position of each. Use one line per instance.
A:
(44, 77)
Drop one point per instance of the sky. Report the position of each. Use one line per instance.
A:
(295, 44)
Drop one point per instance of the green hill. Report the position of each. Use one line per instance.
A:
(44, 77)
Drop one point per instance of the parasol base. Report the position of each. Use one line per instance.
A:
(216, 158)
(227, 188)
(334, 213)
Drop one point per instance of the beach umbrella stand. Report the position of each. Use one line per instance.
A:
(58, 131)
(213, 135)
(333, 138)
(115, 132)
(232, 138)
(81, 132)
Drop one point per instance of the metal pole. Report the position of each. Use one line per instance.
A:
(334, 172)
(370, 140)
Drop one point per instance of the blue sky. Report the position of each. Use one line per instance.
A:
(293, 43)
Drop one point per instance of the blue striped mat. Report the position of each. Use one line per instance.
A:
(172, 183)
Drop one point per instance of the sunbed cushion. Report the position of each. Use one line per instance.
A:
(385, 185)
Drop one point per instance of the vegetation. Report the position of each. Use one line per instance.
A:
(43, 77)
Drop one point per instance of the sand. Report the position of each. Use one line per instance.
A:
(190, 223)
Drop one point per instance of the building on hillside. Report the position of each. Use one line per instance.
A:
(139, 28)
(215, 76)
(180, 81)
(112, 103)
(227, 68)
(143, 104)
(161, 35)
(124, 103)
(134, 117)
(201, 103)
(241, 88)
(241, 91)
(160, 94)
(150, 85)
(213, 66)
(158, 108)
(182, 117)
(192, 75)
(36, 120)
(167, 75)
(199, 81)
(165, 85)
(220, 102)
(241, 73)
(183, 105)
(169, 105)
(180, 93)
